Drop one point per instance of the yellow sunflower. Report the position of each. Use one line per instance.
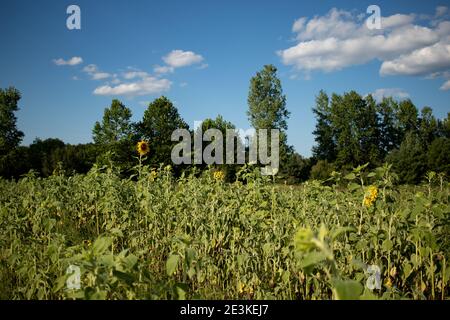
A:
(142, 148)
(370, 196)
(219, 175)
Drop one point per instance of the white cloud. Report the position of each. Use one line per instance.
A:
(144, 103)
(379, 94)
(341, 39)
(147, 85)
(446, 85)
(180, 58)
(90, 68)
(441, 11)
(299, 24)
(95, 73)
(135, 74)
(71, 62)
(397, 20)
(115, 81)
(163, 69)
(419, 62)
(100, 75)
(183, 84)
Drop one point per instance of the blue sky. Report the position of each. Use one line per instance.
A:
(202, 54)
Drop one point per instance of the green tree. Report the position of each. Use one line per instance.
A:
(296, 169)
(267, 108)
(223, 125)
(408, 117)
(410, 160)
(428, 126)
(344, 112)
(15, 163)
(389, 133)
(354, 122)
(325, 148)
(321, 170)
(368, 133)
(266, 101)
(160, 119)
(74, 158)
(41, 154)
(439, 155)
(10, 136)
(116, 125)
(444, 127)
(115, 137)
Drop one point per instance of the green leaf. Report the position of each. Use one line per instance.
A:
(191, 272)
(350, 176)
(99, 295)
(125, 277)
(101, 245)
(240, 259)
(387, 245)
(107, 260)
(322, 232)
(336, 233)
(367, 295)
(60, 283)
(266, 248)
(180, 289)
(79, 294)
(407, 269)
(130, 261)
(302, 239)
(312, 258)
(172, 264)
(353, 186)
(347, 289)
(190, 255)
(117, 232)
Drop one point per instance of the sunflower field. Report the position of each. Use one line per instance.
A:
(154, 236)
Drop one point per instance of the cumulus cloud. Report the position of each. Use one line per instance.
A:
(379, 94)
(180, 58)
(95, 73)
(71, 62)
(135, 82)
(441, 11)
(422, 61)
(135, 74)
(144, 86)
(115, 79)
(100, 75)
(341, 39)
(397, 20)
(163, 69)
(446, 86)
(90, 68)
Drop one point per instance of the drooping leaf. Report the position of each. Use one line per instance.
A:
(172, 264)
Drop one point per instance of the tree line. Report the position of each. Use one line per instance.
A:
(350, 130)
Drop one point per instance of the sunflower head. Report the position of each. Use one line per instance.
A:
(219, 175)
(370, 196)
(142, 148)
